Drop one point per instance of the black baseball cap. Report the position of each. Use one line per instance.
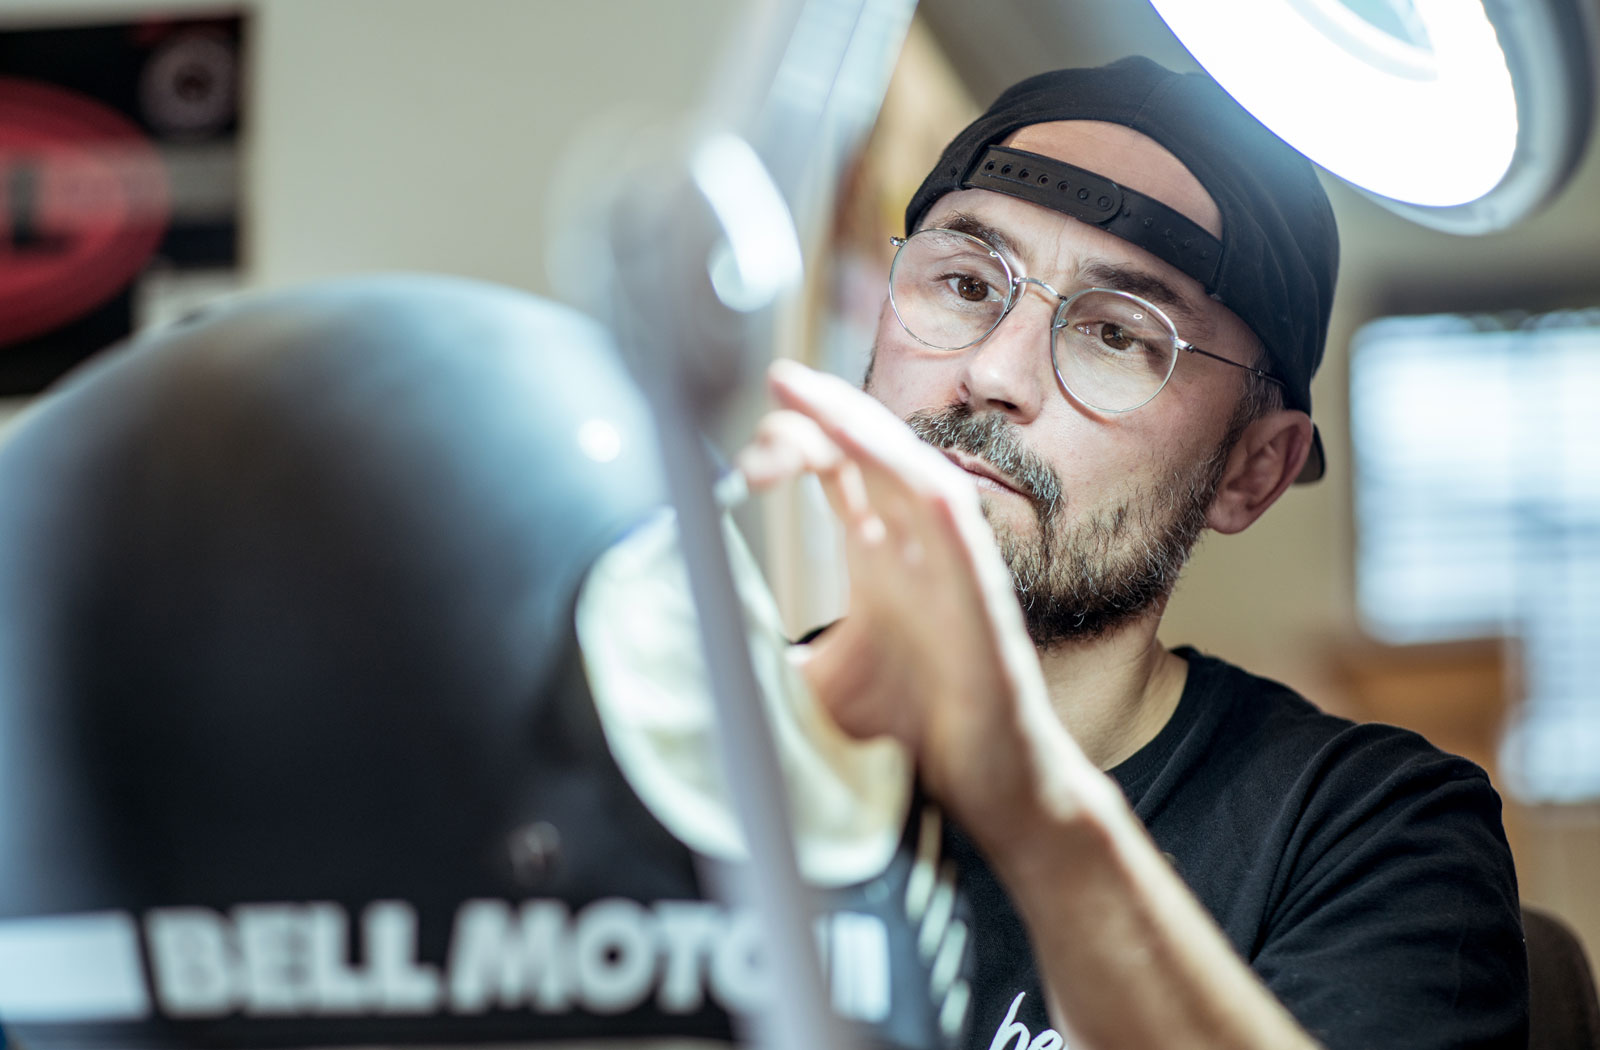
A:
(1278, 258)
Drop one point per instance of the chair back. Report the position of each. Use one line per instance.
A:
(1563, 1005)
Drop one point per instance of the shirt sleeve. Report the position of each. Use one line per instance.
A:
(1399, 923)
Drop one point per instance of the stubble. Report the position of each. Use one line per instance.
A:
(1078, 580)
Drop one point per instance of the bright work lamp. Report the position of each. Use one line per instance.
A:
(1462, 115)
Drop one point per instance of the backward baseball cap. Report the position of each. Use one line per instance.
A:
(1278, 258)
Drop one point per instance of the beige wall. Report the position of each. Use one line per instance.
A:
(420, 134)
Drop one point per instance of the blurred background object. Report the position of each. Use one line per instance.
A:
(424, 134)
(118, 183)
(1466, 117)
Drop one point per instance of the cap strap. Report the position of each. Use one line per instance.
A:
(1095, 199)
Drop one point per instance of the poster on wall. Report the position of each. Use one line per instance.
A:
(119, 184)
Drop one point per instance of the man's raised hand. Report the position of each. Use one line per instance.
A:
(932, 649)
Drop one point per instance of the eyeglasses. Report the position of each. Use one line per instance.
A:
(1111, 350)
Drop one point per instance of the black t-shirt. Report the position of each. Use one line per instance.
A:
(1362, 873)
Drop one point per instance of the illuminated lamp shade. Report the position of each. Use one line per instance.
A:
(1461, 115)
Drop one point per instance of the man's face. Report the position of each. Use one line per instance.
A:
(1094, 512)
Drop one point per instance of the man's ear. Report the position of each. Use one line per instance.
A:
(1262, 465)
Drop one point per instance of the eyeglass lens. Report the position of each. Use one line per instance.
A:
(1110, 350)
(948, 289)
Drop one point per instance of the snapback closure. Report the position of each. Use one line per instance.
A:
(1092, 198)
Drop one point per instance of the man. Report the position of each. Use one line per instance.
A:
(1104, 331)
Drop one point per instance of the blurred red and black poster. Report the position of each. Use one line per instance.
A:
(119, 183)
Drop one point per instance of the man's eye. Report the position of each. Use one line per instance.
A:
(970, 288)
(1108, 336)
(1112, 335)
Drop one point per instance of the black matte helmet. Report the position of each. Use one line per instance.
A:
(297, 746)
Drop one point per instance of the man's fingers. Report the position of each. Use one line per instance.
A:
(846, 414)
(925, 511)
(784, 446)
(855, 422)
(787, 445)
(908, 481)
(904, 498)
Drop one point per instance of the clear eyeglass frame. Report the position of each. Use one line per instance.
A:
(1014, 291)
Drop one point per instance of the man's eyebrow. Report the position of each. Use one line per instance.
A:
(1099, 275)
(1146, 286)
(961, 222)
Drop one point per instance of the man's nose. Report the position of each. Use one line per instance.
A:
(1010, 371)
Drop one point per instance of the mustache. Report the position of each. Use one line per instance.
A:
(994, 439)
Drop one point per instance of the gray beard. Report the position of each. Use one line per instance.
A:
(1081, 581)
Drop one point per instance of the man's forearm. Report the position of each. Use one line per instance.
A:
(1127, 955)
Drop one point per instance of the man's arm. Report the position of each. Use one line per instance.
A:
(935, 652)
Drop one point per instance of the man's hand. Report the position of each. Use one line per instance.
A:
(933, 649)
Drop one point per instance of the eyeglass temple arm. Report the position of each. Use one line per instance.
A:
(1257, 372)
